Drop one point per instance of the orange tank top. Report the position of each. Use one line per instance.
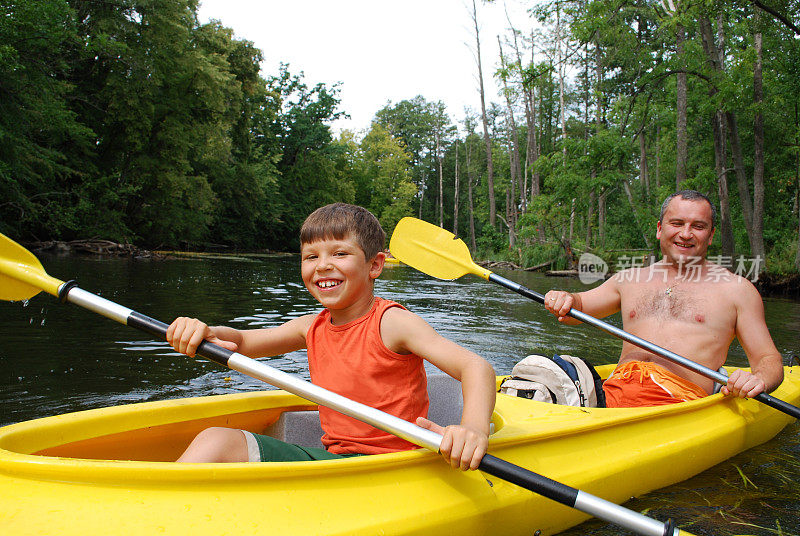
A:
(351, 360)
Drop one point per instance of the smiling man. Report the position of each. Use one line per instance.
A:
(683, 303)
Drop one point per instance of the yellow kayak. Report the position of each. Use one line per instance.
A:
(109, 470)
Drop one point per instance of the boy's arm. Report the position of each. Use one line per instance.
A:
(186, 334)
(464, 445)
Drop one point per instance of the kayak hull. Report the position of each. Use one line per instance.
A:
(96, 470)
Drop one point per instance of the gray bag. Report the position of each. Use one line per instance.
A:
(566, 380)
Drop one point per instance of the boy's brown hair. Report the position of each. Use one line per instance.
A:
(341, 220)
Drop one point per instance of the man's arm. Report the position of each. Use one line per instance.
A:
(766, 364)
(598, 302)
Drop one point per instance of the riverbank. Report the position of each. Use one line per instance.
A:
(92, 247)
(108, 248)
(779, 285)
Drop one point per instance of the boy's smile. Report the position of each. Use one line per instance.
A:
(337, 274)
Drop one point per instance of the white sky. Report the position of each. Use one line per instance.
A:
(379, 50)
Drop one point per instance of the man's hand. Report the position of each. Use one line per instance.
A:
(461, 446)
(559, 303)
(743, 384)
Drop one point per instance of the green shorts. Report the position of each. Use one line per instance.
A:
(263, 448)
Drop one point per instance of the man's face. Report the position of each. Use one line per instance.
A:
(686, 230)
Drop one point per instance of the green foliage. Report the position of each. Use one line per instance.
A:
(387, 191)
(131, 121)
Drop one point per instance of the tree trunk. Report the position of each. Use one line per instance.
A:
(753, 212)
(516, 170)
(568, 244)
(632, 203)
(511, 202)
(469, 196)
(758, 142)
(532, 153)
(510, 223)
(681, 134)
(745, 198)
(797, 180)
(441, 179)
(455, 196)
(658, 156)
(601, 217)
(589, 219)
(715, 55)
(643, 171)
(485, 121)
(422, 193)
(726, 228)
(562, 107)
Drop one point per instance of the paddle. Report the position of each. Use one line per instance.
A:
(439, 253)
(22, 277)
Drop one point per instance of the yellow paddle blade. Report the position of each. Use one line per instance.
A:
(433, 250)
(21, 274)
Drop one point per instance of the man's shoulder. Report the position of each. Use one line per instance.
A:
(718, 274)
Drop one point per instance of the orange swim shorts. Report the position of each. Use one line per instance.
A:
(642, 383)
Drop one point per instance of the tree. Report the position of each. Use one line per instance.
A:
(484, 120)
(388, 186)
(42, 142)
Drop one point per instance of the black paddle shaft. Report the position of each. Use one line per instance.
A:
(718, 377)
(542, 485)
(149, 325)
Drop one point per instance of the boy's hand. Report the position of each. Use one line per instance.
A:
(186, 334)
(743, 384)
(462, 446)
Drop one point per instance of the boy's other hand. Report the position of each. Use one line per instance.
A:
(462, 447)
(186, 334)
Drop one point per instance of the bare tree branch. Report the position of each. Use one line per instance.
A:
(789, 24)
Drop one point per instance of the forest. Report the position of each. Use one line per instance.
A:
(129, 120)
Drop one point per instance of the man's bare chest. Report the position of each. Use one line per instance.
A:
(696, 305)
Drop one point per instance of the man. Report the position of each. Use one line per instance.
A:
(683, 303)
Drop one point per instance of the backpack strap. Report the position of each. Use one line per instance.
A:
(568, 367)
(572, 372)
(598, 384)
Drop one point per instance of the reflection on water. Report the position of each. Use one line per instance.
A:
(58, 358)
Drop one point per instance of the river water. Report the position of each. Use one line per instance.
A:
(57, 358)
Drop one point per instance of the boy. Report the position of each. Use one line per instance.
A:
(361, 346)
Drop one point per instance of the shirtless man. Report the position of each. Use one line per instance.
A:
(683, 303)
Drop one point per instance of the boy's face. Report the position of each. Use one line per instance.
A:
(337, 274)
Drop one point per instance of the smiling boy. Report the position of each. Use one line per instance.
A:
(361, 346)
(683, 303)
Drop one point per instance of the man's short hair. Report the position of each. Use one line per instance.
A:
(689, 195)
(338, 221)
